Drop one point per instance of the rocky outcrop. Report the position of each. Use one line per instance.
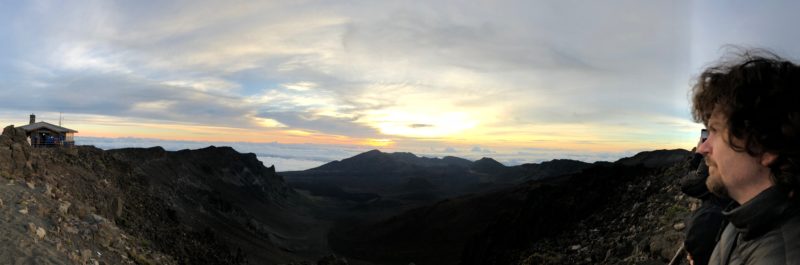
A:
(640, 222)
(15, 153)
(146, 206)
(228, 196)
(207, 169)
(53, 213)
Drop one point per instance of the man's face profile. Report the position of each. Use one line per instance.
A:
(730, 171)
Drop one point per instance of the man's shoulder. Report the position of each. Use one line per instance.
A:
(789, 229)
(790, 233)
(781, 245)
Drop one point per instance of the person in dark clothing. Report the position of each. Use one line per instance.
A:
(750, 107)
(704, 224)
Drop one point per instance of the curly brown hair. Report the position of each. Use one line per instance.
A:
(759, 94)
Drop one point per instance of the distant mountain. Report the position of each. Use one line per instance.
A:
(388, 176)
(657, 158)
(553, 168)
(457, 161)
(405, 175)
(487, 165)
(377, 161)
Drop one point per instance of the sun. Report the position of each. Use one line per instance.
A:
(379, 142)
(421, 124)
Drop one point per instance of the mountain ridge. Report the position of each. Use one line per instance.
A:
(376, 160)
(215, 205)
(150, 206)
(499, 227)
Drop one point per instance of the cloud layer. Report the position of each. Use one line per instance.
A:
(289, 157)
(571, 75)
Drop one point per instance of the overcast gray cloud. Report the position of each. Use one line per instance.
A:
(339, 126)
(610, 75)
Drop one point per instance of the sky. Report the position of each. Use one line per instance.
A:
(304, 82)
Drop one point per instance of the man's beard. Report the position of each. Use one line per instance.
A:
(715, 186)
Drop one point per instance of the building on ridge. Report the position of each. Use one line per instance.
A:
(44, 134)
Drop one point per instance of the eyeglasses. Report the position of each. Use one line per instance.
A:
(703, 135)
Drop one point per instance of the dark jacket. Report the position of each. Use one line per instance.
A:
(702, 230)
(704, 225)
(765, 230)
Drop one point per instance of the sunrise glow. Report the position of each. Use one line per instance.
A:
(469, 79)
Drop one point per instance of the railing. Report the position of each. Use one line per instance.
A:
(52, 144)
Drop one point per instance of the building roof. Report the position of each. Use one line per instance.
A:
(46, 125)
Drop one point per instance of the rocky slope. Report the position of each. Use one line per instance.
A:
(607, 215)
(233, 196)
(54, 215)
(83, 205)
(611, 213)
(148, 206)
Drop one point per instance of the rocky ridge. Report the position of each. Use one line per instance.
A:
(215, 206)
(146, 206)
(47, 221)
(641, 223)
(610, 213)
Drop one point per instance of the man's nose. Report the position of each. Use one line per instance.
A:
(704, 147)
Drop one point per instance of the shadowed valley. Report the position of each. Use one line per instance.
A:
(217, 206)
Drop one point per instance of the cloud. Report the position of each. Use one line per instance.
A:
(443, 41)
(126, 96)
(300, 86)
(478, 149)
(324, 124)
(507, 72)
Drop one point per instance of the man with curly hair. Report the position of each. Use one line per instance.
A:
(751, 107)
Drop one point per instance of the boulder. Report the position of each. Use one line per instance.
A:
(5, 140)
(40, 232)
(106, 234)
(117, 207)
(31, 228)
(6, 160)
(9, 131)
(665, 245)
(16, 134)
(63, 207)
(19, 156)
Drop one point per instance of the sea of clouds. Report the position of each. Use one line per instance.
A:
(291, 157)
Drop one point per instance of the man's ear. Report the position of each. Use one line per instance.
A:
(767, 158)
